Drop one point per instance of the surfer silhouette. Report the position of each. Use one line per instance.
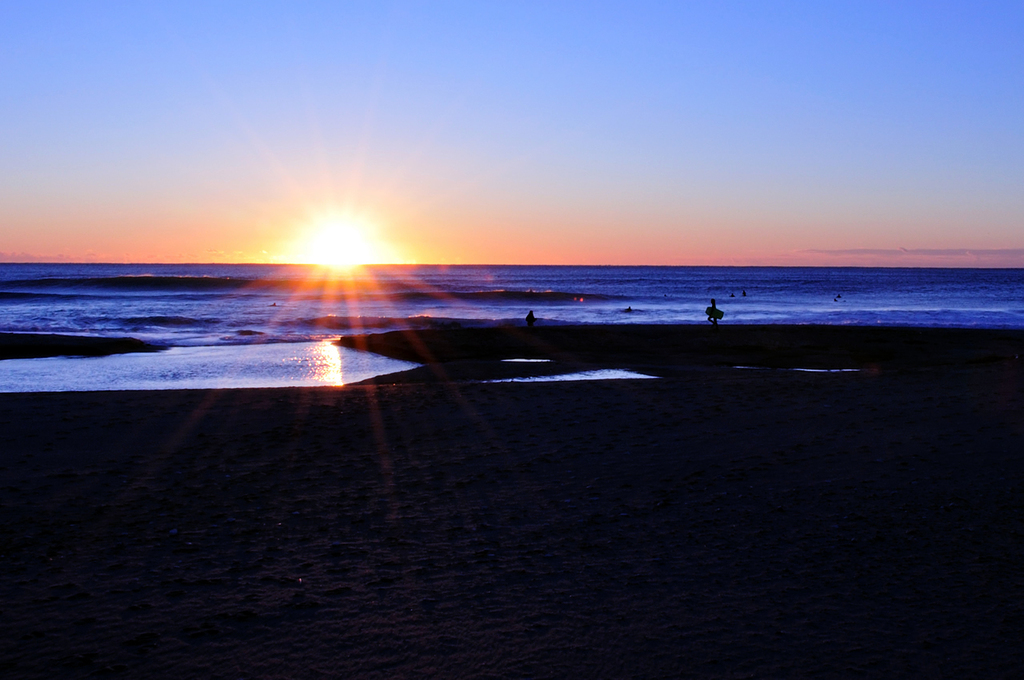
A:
(530, 319)
(714, 314)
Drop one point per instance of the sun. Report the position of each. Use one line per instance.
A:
(340, 244)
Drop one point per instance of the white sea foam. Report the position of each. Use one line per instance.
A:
(805, 370)
(601, 374)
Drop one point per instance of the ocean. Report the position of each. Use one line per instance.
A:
(270, 325)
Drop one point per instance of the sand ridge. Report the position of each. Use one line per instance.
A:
(663, 350)
(37, 345)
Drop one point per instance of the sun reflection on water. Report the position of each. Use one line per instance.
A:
(325, 363)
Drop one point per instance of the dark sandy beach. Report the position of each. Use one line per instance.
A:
(717, 522)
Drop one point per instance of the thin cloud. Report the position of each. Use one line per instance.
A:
(927, 252)
(921, 257)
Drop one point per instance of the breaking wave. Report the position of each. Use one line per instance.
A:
(168, 321)
(136, 283)
(397, 291)
(361, 323)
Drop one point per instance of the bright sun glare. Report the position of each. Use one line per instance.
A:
(340, 244)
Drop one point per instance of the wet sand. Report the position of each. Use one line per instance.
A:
(664, 350)
(702, 345)
(714, 523)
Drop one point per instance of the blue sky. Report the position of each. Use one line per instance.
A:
(661, 133)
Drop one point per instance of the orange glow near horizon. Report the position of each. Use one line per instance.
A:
(339, 239)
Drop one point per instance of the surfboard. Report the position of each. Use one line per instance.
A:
(714, 312)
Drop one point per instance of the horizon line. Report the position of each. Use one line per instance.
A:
(511, 264)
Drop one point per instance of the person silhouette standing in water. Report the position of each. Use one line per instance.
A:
(530, 319)
(714, 314)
